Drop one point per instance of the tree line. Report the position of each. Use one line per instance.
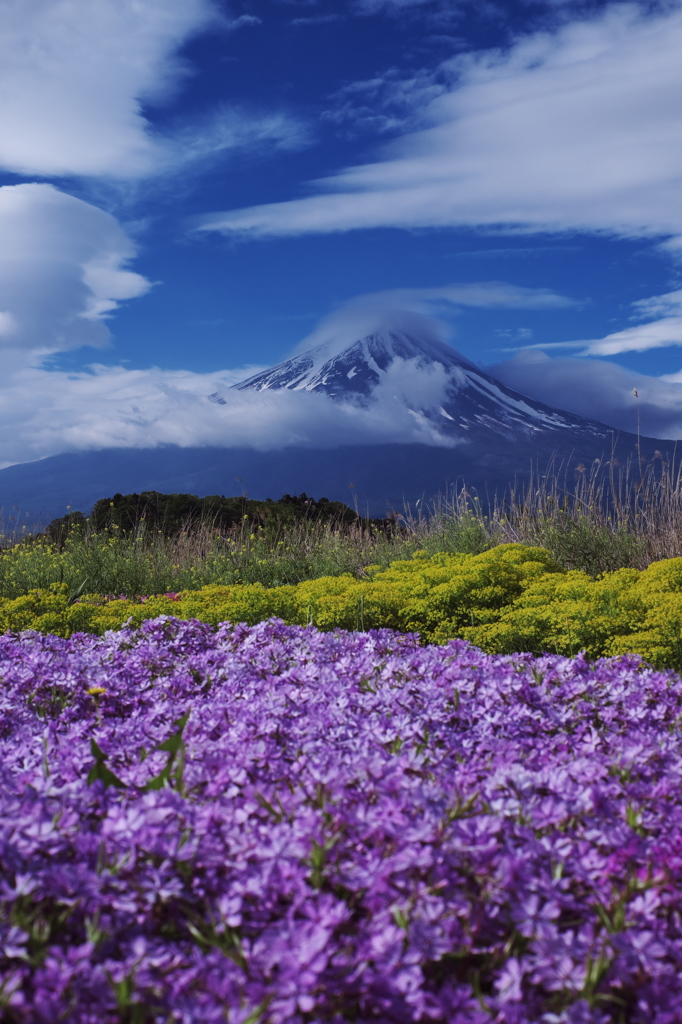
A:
(169, 514)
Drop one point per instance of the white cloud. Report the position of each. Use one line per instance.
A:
(416, 311)
(365, 315)
(598, 389)
(45, 412)
(476, 294)
(245, 20)
(63, 268)
(232, 128)
(74, 75)
(669, 304)
(572, 130)
(641, 338)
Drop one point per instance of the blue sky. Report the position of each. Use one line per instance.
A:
(188, 188)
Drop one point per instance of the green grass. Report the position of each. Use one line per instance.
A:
(598, 522)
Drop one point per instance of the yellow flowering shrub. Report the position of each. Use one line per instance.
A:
(510, 598)
(434, 595)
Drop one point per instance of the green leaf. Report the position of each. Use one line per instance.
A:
(158, 781)
(175, 741)
(174, 746)
(255, 1017)
(400, 918)
(75, 594)
(100, 771)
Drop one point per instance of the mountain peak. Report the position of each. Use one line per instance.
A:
(357, 369)
(429, 377)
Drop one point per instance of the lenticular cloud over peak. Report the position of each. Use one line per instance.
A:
(360, 318)
(418, 312)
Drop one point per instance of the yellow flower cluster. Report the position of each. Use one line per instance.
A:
(510, 598)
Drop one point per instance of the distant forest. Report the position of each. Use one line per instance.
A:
(169, 514)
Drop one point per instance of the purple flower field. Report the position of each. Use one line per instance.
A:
(274, 824)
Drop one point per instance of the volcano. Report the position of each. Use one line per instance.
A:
(469, 429)
(464, 402)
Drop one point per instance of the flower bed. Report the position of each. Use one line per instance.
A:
(274, 824)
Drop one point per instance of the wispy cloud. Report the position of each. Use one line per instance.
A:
(230, 129)
(575, 129)
(435, 12)
(475, 294)
(244, 21)
(669, 304)
(388, 102)
(317, 19)
(642, 337)
(512, 252)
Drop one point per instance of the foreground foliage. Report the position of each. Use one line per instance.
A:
(153, 543)
(148, 561)
(510, 598)
(275, 824)
(595, 519)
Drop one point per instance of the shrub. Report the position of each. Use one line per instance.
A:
(507, 599)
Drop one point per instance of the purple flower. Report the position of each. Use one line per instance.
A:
(280, 825)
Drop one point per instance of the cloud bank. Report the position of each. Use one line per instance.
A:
(597, 389)
(48, 412)
(572, 130)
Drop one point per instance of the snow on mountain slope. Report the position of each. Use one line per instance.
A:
(469, 429)
(428, 377)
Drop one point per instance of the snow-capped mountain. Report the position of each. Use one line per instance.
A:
(429, 377)
(478, 432)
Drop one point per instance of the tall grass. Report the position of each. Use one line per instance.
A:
(600, 518)
(145, 563)
(605, 517)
